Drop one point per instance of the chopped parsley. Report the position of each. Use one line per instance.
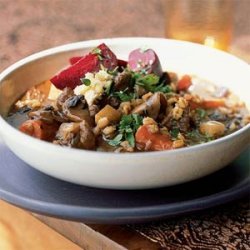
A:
(201, 112)
(116, 141)
(195, 137)
(113, 72)
(162, 88)
(127, 128)
(151, 82)
(97, 52)
(123, 96)
(108, 90)
(85, 81)
(174, 133)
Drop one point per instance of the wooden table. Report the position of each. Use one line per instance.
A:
(27, 26)
(226, 227)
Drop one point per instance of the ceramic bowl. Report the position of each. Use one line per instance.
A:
(128, 170)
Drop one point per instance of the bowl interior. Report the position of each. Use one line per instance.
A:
(182, 57)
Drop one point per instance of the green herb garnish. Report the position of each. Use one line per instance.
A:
(162, 88)
(127, 128)
(113, 72)
(151, 82)
(116, 141)
(201, 112)
(123, 96)
(97, 52)
(146, 80)
(85, 81)
(195, 137)
(108, 90)
(174, 133)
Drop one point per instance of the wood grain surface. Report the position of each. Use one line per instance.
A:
(21, 231)
(222, 228)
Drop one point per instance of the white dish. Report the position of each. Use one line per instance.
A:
(136, 170)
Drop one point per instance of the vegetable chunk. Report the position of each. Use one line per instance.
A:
(145, 60)
(108, 112)
(149, 138)
(70, 77)
(39, 129)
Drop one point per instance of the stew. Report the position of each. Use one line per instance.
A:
(100, 102)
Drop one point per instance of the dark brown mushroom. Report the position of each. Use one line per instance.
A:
(152, 106)
(87, 137)
(75, 109)
(45, 114)
(48, 114)
(164, 102)
(76, 135)
(122, 81)
(183, 125)
(66, 94)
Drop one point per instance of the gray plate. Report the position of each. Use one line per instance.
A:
(28, 188)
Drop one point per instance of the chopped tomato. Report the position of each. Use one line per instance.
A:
(184, 83)
(39, 129)
(152, 141)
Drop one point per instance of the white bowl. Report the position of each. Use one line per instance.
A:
(135, 170)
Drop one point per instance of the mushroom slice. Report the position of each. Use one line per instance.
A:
(66, 94)
(75, 109)
(76, 135)
(87, 137)
(44, 114)
(151, 107)
(122, 81)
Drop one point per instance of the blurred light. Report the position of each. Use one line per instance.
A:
(210, 41)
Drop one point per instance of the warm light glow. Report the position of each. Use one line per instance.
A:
(210, 41)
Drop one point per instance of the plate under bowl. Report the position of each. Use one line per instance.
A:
(26, 187)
